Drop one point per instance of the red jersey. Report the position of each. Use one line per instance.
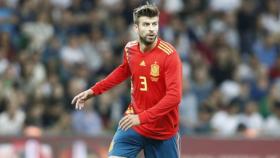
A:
(156, 87)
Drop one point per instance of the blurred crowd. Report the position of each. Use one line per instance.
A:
(50, 50)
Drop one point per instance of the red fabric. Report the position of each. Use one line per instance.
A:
(156, 102)
(274, 72)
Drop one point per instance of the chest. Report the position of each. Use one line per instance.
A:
(151, 64)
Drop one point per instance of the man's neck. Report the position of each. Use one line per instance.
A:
(145, 48)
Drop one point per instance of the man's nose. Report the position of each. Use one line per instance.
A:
(151, 28)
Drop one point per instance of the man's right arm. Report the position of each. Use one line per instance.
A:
(120, 74)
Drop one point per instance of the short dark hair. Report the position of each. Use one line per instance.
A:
(148, 10)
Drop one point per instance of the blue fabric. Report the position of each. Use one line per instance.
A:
(129, 143)
(6, 13)
(266, 55)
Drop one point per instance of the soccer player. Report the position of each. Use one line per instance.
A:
(151, 120)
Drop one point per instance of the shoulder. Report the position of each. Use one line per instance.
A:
(166, 47)
(131, 44)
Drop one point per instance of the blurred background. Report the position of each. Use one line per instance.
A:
(50, 50)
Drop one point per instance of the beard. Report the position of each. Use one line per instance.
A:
(146, 41)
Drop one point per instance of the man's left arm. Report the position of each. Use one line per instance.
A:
(172, 98)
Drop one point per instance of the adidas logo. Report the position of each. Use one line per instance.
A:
(142, 63)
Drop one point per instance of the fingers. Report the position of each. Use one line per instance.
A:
(126, 122)
(80, 104)
(123, 121)
(74, 99)
(79, 100)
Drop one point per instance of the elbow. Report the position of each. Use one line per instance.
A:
(177, 98)
(176, 95)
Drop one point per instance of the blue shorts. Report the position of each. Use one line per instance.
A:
(129, 143)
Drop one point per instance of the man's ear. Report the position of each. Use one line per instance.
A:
(135, 28)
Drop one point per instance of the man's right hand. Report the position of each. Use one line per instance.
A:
(80, 99)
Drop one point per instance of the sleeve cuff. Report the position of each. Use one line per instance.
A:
(93, 89)
(143, 116)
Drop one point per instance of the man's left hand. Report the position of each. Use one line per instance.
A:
(128, 121)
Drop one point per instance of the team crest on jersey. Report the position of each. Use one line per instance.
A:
(154, 72)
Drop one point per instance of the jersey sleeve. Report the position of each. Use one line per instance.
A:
(118, 75)
(172, 98)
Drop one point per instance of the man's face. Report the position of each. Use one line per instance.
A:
(147, 29)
